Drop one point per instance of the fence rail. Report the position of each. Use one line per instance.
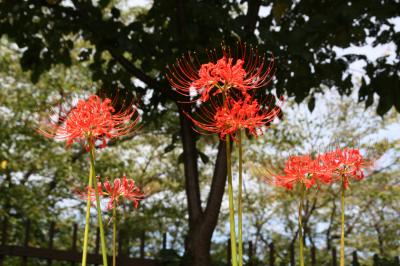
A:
(50, 254)
(73, 256)
(70, 256)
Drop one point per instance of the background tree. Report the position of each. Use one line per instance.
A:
(124, 43)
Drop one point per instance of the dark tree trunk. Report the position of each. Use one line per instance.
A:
(292, 255)
(251, 19)
(201, 222)
(228, 253)
(334, 257)
(271, 254)
(197, 252)
(251, 256)
(292, 251)
(328, 232)
(355, 259)
(313, 256)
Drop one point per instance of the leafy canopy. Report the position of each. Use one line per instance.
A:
(125, 42)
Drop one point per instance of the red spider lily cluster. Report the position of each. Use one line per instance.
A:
(122, 189)
(340, 164)
(233, 115)
(116, 191)
(90, 120)
(244, 71)
(233, 76)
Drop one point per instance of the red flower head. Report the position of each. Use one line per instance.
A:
(244, 71)
(342, 163)
(90, 120)
(90, 192)
(299, 169)
(234, 115)
(125, 189)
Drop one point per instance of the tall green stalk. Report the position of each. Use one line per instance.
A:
(87, 220)
(231, 205)
(99, 216)
(301, 249)
(342, 225)
(114, 245)
(240, 201)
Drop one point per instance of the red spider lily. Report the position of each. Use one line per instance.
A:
(244, 71)
(125, 189)
(343, 163)
(90, 120)
(90, 192)
(299, 169)
(234, 115)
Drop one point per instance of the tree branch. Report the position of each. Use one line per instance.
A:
(252, 17)
(125, 63)
(328, 231)
(190, 168)
(217, 189)
(131, 68)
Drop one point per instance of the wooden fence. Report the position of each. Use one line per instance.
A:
(72, 255)
(49, 254)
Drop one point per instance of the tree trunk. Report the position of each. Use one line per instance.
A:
(201, 222)
(334, 257)
(197, 249)
(355, 259)
(313, 256)
(271, 254)
(292, 254)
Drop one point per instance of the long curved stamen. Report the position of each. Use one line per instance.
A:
(243, 70)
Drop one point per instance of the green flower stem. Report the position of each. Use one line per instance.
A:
(87, 220)
(342, 225)
(240, 201)
(99, 216)
(114, 236)
(231, 206)
(301, 251)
